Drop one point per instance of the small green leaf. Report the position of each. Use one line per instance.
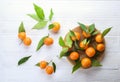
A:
(91, 28)
(68, 41)
(106, 31)
(38, 64)
(51, 14)
(51, 26)
(95, 63)
(21, 28)
(40, 25)
(23, 60)
(41, 43)
(54, 66)
(64, 50)
(83, 27)
(76, 67)
(85, 41)
(94, 33)
(72, 33)
(39, 11)
(34, 16)
(76, 45)
(61, 42)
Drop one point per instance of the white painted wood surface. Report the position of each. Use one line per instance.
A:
(68, 13)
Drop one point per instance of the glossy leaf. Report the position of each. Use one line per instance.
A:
(51, 26)
(34, 16)
(72, 33)
(41, 43)
(83, 27)
(68, 41)
(91, 28)
(51, 14)
(76, 67)
(23, 60)
(95, 63)
(106, 31)
(38, 64)
(40, 25)
(61, 42)
(94, 33)
(64, 50)
(21, 28)
(39, 11)
(54, 66)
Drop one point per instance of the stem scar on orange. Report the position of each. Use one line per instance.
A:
(48, 41)
(90, 51)
(49, 70)
(43, 64)
(27, 41)
(74, 55)
(22, 35)
(56, 27)
(86, 62)
(100, 47)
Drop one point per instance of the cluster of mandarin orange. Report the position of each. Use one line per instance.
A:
(44, 65)
(90, 51)
(48, 41)
(26, 40)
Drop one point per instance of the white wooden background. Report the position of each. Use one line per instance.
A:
(68, 13)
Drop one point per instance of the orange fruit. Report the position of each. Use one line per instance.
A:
(76, 37)
(22, 35)
(49, 70)
(74, 56)
(90, 51)
(86, 62)
(100, 47)
(27, 41)
(82, 45)
(99, 38)
(48, 41)
(86, 35)
(43, 64)
(56, 27)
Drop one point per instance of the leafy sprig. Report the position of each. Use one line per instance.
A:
(39, 16)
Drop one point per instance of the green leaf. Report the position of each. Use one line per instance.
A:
(83, 27)
(64, 50)
(38, 64)
(95, 63)
(54, 66)
(94, 33)
(61, 42)
(40, 25)
(51, 26)
(21, 28)
(85, 41)
(68, 41)
(51, 14)
(34, 16)
(41, 43)
(106, 31)
(39, 11)
(23, 60)
(72, 33)
(91, 28)
(76, 45)
(76, 67)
